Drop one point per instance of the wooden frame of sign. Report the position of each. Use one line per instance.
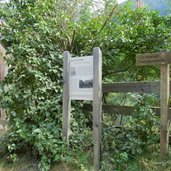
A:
(163, 59)
(97, 102)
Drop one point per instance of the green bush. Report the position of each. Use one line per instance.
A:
(135, 137)
(35, 35)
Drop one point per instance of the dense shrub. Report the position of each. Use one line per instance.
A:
(136, 136)
(35, 35)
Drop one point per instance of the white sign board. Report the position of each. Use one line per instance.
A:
(80, 75)
(81, 79)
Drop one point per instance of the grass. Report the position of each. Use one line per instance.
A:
(27, 164)
(150, 161)
(23, 164)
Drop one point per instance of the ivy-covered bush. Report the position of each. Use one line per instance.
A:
(128, 141)
(33, 94)
(35, 35)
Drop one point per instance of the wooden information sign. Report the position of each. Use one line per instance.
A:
(163, 59)
(82, 80)
(158, 58)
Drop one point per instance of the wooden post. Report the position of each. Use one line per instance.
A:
(164, 105)
(2, 75)
(163, 59)
(97, 106)
(66, 97)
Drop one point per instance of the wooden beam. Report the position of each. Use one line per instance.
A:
(3, 72)
(164, 105)
(66, 97)
(97, 107)
(133, 87)
(123, 110)
(163, 59)
(158, 58)
(112, 109)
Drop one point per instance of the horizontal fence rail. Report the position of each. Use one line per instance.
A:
(122, 110)
(133, 87)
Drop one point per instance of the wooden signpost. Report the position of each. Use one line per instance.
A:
(163, 59)
(97, 106)
(66, 96)
(82, 80)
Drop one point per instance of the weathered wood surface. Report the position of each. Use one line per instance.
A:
(3, 125)
(123, 110)
(97, 107)
(133, 87)
(147, 87)
(164, 106)
(153, 58)
(3, 70)
(163, 59)
(66, 97)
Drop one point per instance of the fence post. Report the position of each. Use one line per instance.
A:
(66, 97)
(3, 67)
(97, 106)
(164, 106)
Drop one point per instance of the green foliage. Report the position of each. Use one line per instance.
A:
(33, 96)
(135, 137)
(126, 33)
(35, 35)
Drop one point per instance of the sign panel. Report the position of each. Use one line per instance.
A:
(81, 83)
(158, 58)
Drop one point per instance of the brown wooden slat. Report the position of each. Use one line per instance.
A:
(123, 110)
(153, 58)
(164, 105)
(133, 87)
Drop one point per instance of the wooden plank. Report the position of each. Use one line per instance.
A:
(153, 58)
(123, 110)
(97, 107)
(112, 109)
(66, 97)
(133, 87)
(164, 105)
(3, 68)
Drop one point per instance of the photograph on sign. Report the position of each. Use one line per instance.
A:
(81, 83)
(86, 83)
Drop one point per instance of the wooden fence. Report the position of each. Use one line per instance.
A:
(147, 87)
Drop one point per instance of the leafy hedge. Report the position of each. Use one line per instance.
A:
(35, 35)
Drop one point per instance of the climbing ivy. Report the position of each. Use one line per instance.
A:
(35, 35)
